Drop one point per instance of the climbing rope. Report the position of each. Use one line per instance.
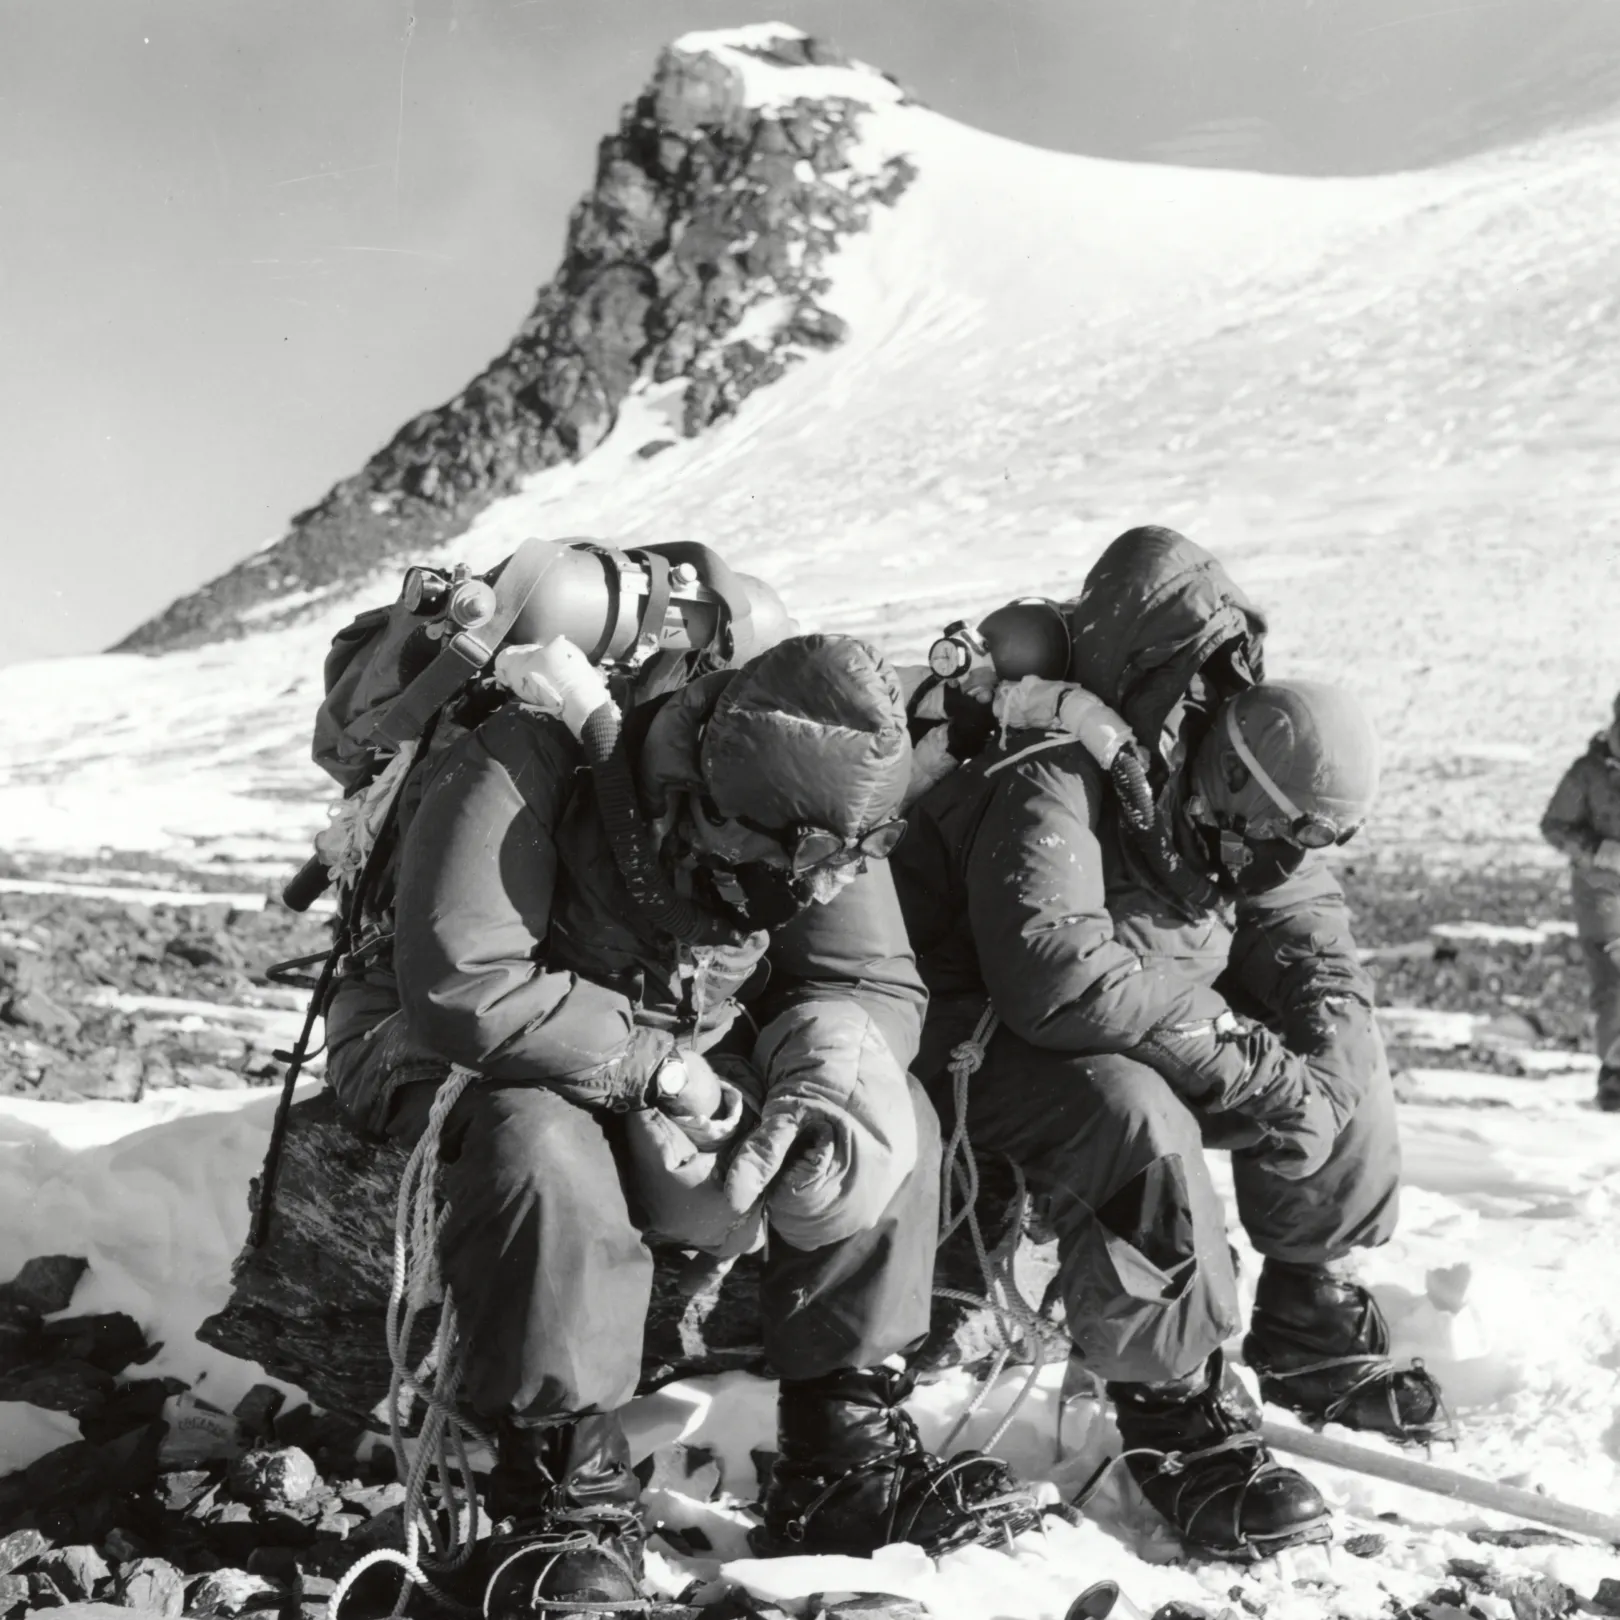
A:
(1017, 1322)
(441, 1440)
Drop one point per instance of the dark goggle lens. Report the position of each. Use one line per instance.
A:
(882, 841)
(1317, 832)
(816, 847)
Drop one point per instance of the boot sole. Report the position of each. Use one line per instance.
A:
(764, 1545)
(1259, 1548)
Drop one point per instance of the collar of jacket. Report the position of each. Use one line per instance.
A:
(667, 751)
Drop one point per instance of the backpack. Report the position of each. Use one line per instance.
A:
(406, 679)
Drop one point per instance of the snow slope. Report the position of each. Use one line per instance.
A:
(1390, 404)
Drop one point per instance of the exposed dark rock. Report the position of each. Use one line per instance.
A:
(1537, 1597)
(46, 1283)
(60, 1386)
(19, 1335)
(112, 1340)
(79, 1572)
(35, 1010)
(86, 946)
(225, 1592)
(1607, 1596)
(21, 1547)
(278, 1564)
(369, 1500)
(256, 1411)
(43, 1592)
(693, 1471)
(284, 1473)
(78, 1473)
(868, 1606)
(152, 1585)
(1521, 1536)
(129, 1406)
(1368, 1545)
(328, 1437)
(703, 209)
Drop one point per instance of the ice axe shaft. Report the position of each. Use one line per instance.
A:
(1483, 1493)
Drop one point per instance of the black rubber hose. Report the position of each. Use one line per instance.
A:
(632, 842)
(1130, 778)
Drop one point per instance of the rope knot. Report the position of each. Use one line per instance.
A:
(967, 1058)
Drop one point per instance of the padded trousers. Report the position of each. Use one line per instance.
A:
(542, 1253)
(1116, 1160)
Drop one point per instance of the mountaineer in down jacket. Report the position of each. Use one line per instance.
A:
(1160, 992)
(598, 1039)
(1583, 822)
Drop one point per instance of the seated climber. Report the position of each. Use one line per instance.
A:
(654, 937)
(1095, 989)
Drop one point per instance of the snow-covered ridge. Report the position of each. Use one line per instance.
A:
(761, 55)
(1389, 404)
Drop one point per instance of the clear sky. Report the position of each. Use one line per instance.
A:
(241, 241)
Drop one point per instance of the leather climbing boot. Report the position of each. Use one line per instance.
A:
(1608, 1089)
(851, 1475)
(1320, 1347)
(567, 1531)
(1193, 1445)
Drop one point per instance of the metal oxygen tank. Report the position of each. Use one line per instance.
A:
(620, 607)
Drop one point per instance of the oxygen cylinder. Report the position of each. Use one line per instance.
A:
(1026, 637)
(599, 600)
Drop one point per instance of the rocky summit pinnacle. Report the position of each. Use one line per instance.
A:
(727, 187)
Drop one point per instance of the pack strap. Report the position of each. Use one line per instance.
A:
(719, 576)
(650, 635)
(467, 652)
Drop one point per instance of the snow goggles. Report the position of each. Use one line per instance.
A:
(1308, 829)
(810, 847)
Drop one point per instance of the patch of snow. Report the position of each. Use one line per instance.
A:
(132, 896)
(771, 84)
(1483, 933)
(154, 1195)
(1428, 1026)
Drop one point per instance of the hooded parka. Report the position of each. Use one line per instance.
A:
(521, 955)
(1114, 965)
(1582, 815)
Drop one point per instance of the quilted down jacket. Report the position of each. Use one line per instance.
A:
(1021, 882)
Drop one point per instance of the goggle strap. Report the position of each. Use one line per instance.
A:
(1258, 771)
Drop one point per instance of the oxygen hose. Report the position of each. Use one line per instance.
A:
(1128, 772)
(631, 839)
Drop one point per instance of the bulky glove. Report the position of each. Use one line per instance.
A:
(931, 762)
(1606, 857)
(838, 1132)
(1337, 1036)
(1041, 705)
(556, 678)
(679, 1167)
(1224, 1066)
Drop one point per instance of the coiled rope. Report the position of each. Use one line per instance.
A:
(1017, 1322)
(441, 1441)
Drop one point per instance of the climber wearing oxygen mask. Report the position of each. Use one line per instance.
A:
(682, 981)
(1135, 951)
